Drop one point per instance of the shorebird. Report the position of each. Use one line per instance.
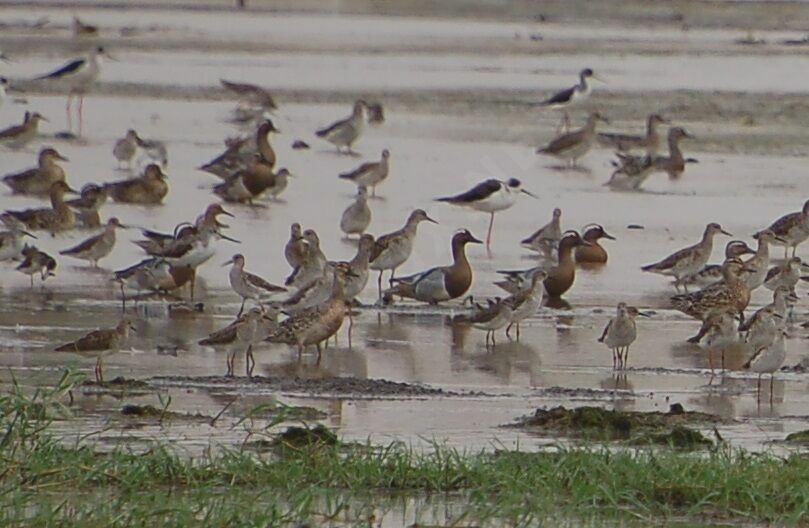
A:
(730, 295)
(632, 171)
(100, 343)
(11, 241)
(18, 136)
(625, 142)
(525, 303)
(59, 217)
(357, 269)
(762, 328)
(357, 216)
(315, 292)
(313, 264)
(560, 277)
(689, 260)
(248, 285)
(316, 325)
(343, 133)
(393, 249)
(126, 148)
(36, 261)
(760, 261)
(786, 274)
(279, 183)
(496, 315)
(370, 174)
(296, 247)
(39, 179)
(79, 75)
(571, 146)
(711, 273)
(250, 94)
(96, 247)
(721, 333)
(151, 275)
(155, 149)
(441, 283)
(244, 333)
(546, 239)
(90, 200)
(768, 360)
(593, 253)
(792, 229)
(570, 97)
(620, 333)
(148, 189)
(80, 29)
(490, 197)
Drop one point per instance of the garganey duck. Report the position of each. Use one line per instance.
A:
(632, 171)
(571, 146)
(38, 180)
(343, 133)
(393, 249)
(59, 217)
(649, 142)
(370, 174)
(18, 136)
(792, 229)
(689, 260)
(96, 247)
(248, 285)
(100, 343)
(546, 239)
(620, 333)
(148, 189)
(490, 197)
(441, 283)
(357, 216)
(594, 253)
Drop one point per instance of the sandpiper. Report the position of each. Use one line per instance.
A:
(593, 253)
(625, 142)
(155, 149)
(248, 285)
(370, 174)
(357, 269)
(59, 217)
(314, 293)
(100, 343)
(148, 189)
(442, 283)
(296, 246)
(786, 274)
(11, 241)
(36, 261)
(87, 205)
(312, 265)
(572, 96)
(126, 148)
(393, 249)
(357, 216)
(250, 94)
(546, 239)
(620, 333)
(525, 303)
(79, 75)
(792, 229)
(314, 326)
(489, 196)
(343, 133)
(496, 315)
(689, 260)
(280, 182)
(721, 333)
(571, 146)
(244, 332)
(762, 328)
(730, 295)
(151, 275)
(96, 247)
(760, 261)
(711, 273)
(39, 179)
(768, 360)
(18, 136)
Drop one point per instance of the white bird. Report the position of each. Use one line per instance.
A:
(489, 196)
(79, 75)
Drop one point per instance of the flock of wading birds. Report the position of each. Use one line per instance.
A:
(318, 294)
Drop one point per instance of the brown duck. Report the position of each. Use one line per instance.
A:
(59, 217)
(39, 179)
(594, 253)
(148, 189)
(561, 277)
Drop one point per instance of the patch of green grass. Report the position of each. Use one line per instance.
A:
(44, 482)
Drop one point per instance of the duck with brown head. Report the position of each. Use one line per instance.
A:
(594, 253)
(441, 283)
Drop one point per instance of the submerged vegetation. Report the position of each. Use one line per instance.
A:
(46, 481)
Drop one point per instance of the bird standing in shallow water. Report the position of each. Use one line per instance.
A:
(248, 285)
(100, 343)
(489, 196)
(767, 360)
(546, 239)
(620, 333)
(343, 133)
(96, 247)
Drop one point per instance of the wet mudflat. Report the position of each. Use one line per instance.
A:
(457, 96)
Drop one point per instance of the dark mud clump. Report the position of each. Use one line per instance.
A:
(356, 387)
(117, 383)
(634, 428)
(801, 437)
(150, 412)
(300, 437)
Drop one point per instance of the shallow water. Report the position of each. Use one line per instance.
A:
(433, 154)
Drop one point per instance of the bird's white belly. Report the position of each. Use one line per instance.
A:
(497, 201)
